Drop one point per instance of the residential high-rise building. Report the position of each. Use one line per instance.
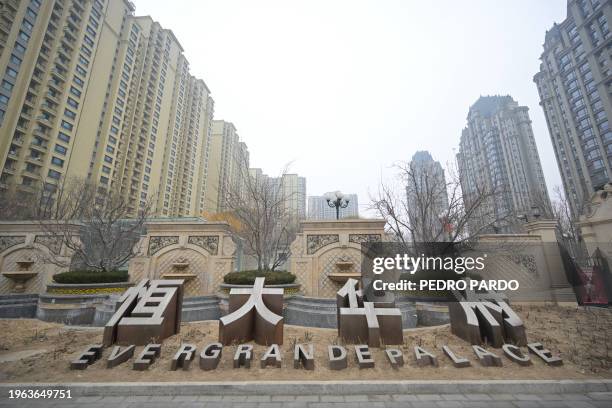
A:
(291, 186)
(575, 86)
(228, 165)
(498, 154)
(90, 90)
(318, 209)
(427, 198)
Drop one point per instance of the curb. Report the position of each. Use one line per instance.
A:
(322, 387)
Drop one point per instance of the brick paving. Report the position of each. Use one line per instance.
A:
(587, 400)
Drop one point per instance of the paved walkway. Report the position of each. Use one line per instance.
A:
(588, 400)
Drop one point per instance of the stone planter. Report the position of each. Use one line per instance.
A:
(75, 303)
(87, 288)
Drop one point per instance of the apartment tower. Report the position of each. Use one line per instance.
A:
(90, 90)
(498, 154)
(575, 87)
(427, 198)
(318, 209)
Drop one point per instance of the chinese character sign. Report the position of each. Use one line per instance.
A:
(254, 314)
(360, 321)
(151, 310)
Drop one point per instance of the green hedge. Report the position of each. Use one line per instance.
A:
(91, 277)
(248, 277)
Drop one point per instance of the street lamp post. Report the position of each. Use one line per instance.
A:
(337, 200)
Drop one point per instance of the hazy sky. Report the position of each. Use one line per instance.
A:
(346, 88)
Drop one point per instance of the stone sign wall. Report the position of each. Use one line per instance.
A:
(325, 254)
(26, 252)
(199, 252)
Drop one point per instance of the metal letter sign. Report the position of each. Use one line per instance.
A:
(485, 316)
(360, 321)
(254, 314)
(148, 311)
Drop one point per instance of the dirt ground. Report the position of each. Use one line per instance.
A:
(35, 351)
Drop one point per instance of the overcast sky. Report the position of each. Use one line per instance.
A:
(346, 88)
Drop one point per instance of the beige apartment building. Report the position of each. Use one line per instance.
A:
(290, 185)
(89, 89)
(575, 87)
(498, 154)
(228, 165)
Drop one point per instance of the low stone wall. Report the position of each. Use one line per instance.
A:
(311, 312)
(432, 314)
(194, 309)
(18, 306)
(68, 309)
(321, 312)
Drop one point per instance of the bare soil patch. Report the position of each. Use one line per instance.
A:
(581, 336)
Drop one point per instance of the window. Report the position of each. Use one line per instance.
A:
(112, 140)
(24, 36)
(83, 60)
(75, 91)
(108, 159)
(7, 85)
(78, 81)
(63, 137)
(70, 114)
(66, 125)
(15, 60)
(106, 170)
(57, 161)
(4, 99)
(55, 174)
(31, 13)
(103, 180)
(60, 149)
(72, 103)
(19, 48)
(80, 70)
(27, 25)
(110, 149)
(11, 72)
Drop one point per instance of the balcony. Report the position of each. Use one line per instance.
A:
(42, 133)
(57, 85)
(9, 169)
(49, 108)
(52, 97)
(42, 147)
(59, 74)
(45, 120)
(13, 151)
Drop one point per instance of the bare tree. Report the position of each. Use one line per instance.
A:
(429, 208)
(109, 227)
(563, 214)
(267, 225)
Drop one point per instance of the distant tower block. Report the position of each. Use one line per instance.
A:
(254, 314)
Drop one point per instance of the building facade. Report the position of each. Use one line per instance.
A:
(318, 209)
(90, 90)
(575, 86)
(498, 156)
(427, 198)
(228, 165)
